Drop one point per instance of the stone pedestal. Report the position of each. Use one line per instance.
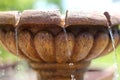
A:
(64, 71)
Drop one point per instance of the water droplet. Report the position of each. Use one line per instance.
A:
(71, 64)
(73, 77)
(18, 67)
(2, 73)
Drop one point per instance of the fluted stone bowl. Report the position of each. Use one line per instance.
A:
(58, 48)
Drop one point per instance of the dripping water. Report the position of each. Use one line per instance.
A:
(109, 24)
(116, 74)
(17, 51)
(17, 17)
(69, 53)
(2, 70)
(72, 75)
(67, 44)
(66, 35)
(16, 39)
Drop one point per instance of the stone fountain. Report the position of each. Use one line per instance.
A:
(58, 47)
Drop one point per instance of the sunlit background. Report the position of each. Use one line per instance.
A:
(59, 4)
(77, 4)
(114, 5)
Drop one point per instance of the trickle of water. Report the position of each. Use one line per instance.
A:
(17, 17)
(109, 24)
(116, 75)
(16, 39)
(17, 51)
(66, 35)
(69, 53)
(66, 38)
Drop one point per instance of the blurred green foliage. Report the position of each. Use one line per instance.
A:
(56, 2)
(6, 57)
(108, 61)
(16, 4)
(24, 4)
(19, 5)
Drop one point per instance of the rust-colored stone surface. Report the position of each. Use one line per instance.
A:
(44, 44)
(9, 18)
(90, 18)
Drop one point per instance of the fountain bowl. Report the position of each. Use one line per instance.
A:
(56, 47)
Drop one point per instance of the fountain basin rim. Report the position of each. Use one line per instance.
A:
(37, 17)
(9, 17)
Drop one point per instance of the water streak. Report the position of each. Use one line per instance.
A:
(69, 53)
(17, 49)
(109, 24)
(66, 35)
(116, 74)
(16, 40)
(17, 17)
(66, 38)
(67, 44)
(2, 70)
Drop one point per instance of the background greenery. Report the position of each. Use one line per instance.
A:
(25, 4)
(16, 4)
